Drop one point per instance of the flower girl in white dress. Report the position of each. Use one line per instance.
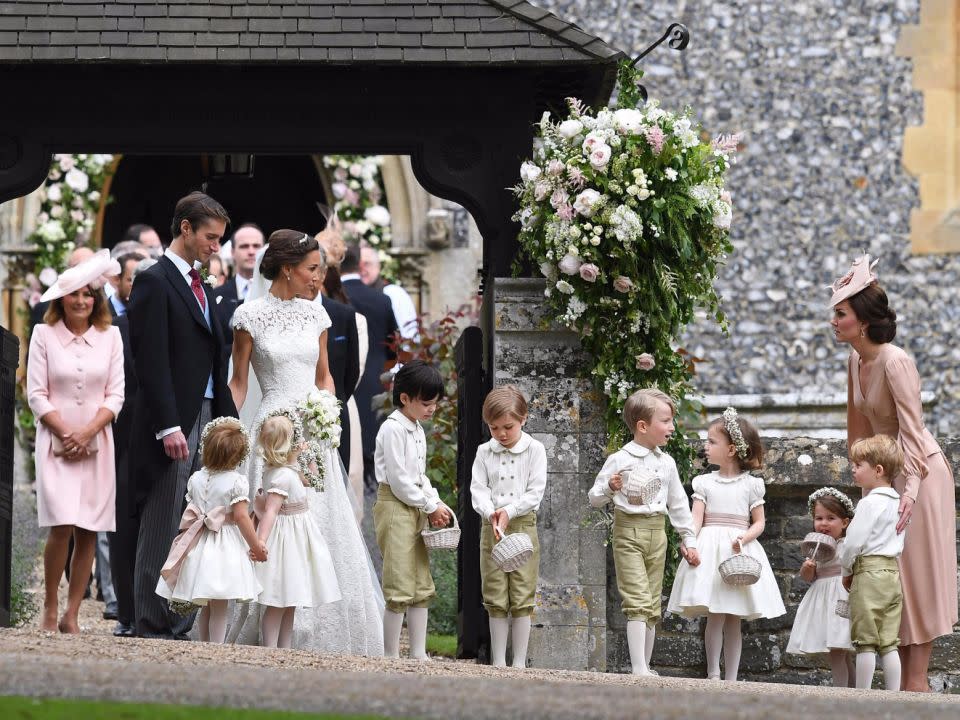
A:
(728, 514)
(817, 628)
(208, 562)
(299, 571)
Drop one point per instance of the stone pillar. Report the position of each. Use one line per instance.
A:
(566, 415)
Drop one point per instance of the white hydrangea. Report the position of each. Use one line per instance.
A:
(683, 131)
(626, 224)
(704, 194)
(52, 231)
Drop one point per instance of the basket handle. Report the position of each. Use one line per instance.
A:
(499, 533)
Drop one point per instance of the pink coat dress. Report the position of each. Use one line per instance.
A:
(75, 376)
(890, 405)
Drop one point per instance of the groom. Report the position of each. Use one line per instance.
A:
(181, 361)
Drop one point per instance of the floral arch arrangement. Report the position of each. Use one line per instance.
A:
(624, 210)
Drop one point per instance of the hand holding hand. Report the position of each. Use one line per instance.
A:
(499, 520)
(692, 556)
(906, 513)
(615, 482)
(175, 446)
(259, 553)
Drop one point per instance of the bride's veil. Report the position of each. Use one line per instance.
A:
(259, 287)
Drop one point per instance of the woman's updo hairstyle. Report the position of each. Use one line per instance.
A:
(285, 247)
(871, 307)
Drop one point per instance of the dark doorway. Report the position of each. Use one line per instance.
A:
(283, 193)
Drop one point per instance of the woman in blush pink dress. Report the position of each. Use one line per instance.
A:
(75, 390)
(883, 397)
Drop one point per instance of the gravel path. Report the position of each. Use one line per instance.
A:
(96, 665)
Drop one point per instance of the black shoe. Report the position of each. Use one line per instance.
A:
(122, 630)
(109, 614)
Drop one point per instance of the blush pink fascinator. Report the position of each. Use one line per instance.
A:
(93, 272)
(859, 277)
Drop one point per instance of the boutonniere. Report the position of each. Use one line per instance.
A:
(219, 299)
(207, 277)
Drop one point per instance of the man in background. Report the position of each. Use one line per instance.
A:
(246, 242)
(403, 308)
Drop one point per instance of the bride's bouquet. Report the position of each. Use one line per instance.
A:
(320, 412)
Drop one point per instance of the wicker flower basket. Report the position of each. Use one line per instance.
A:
(640, 486)
(740, 569)
(443, 539)
(843, 608)
(818, 547)
(513, 551)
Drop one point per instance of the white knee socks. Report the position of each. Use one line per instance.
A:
(417, 628)
(891, 670)
(217, 624)
(713, 644)
(866, 664)
(637, 644)
(649, 639)
(521, 639)
(732, 645)
(499, 627)
(392, 624)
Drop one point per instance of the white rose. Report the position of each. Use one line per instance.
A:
(529, 172)
(671, 174)
(591, 141)
(570, 128)
(378, 215)
(339, 190)
(56, 211)
(54, 193)
(570, 265)
(600, 157)
(77, 180)
(585, 202)
(48, 276)
(66, 162)
(627, 120)
(565, 287)
(356, 170)
(94, 196)
(77, 215)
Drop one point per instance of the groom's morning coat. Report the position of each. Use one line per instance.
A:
(175, 352)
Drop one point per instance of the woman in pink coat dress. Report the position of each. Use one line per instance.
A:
(75, 389)
(883, 398)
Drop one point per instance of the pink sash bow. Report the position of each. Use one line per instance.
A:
(192, 522)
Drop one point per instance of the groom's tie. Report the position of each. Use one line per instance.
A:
(197, 288)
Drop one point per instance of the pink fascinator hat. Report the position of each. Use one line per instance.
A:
(859, 277)
(93, 272)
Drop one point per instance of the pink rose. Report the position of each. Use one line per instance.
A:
(645, 361)
(555, 167)
(589, 272)
(623, 284)
(559, 198)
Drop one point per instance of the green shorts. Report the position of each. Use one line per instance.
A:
(639, 554)
(875, 604)
(407, 581)
(512, 593)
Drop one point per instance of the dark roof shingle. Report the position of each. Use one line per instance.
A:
(467, 32)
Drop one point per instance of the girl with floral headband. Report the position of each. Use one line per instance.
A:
(728, 517)
(817, 628)
(208, 562)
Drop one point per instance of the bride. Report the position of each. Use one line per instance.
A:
(283, 334)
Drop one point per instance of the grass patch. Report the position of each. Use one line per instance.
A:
(23, 708)
(445, 645)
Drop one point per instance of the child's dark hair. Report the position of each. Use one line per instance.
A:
(752, 459)
(419, 380)
(834, 505)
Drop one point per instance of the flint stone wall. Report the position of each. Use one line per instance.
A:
(578, 623)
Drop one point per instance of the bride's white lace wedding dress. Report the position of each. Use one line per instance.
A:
(285, 350)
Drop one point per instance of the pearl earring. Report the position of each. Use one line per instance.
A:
(288, 280)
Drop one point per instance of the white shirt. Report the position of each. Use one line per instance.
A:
(400, 461)
(873, 530)
(403, 311)
(671, 500)
(243, 287)
(184, 267)
(510, 478)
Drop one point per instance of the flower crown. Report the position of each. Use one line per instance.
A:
(823, 492)
(225, 420)
(732, 427)
(310, 452)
